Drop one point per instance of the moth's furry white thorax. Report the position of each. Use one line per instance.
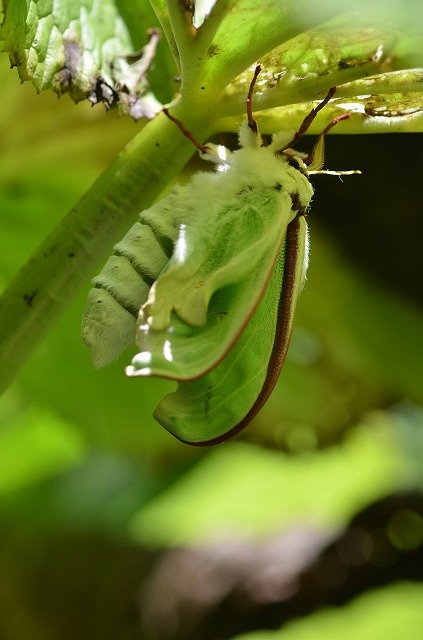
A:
(257, 166)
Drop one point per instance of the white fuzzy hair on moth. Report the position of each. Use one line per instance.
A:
(250, 166)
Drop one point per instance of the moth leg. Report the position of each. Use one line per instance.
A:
(201, 147)
(310, 117)
(316, 158)
(251, 122)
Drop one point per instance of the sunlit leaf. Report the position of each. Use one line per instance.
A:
(81, 48)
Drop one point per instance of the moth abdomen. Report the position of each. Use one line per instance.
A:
(119, 278)
(143, 250)
(122, 286)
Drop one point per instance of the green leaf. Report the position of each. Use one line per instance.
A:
(83, 48)
(224, 56)
(309, 64)
(257, 490)
(390, 613)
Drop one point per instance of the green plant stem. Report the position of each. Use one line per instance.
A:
(69, 256)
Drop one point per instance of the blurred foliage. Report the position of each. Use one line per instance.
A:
(93, 494)
(325, 488)
(389, 614)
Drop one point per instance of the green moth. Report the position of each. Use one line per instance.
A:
(209, 279)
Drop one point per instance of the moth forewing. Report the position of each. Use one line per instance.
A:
(218, 405)
(206, 295)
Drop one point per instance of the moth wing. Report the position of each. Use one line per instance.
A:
(205, 298)
(218, 405)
